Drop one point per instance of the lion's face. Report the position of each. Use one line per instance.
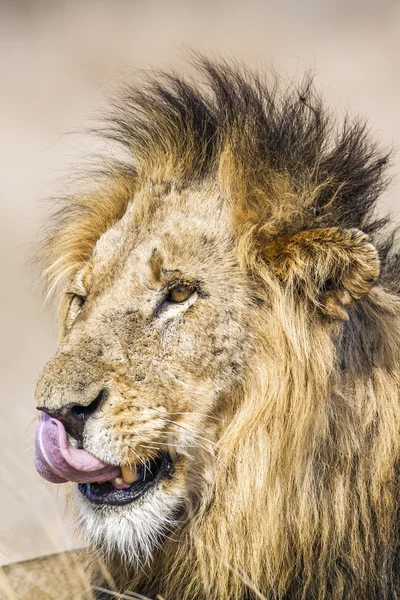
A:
(155, 340)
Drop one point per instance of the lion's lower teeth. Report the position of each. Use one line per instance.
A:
(129, 474)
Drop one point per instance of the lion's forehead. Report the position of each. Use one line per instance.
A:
(195, 244)
(194, 210)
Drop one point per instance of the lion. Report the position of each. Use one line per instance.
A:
(225, 393)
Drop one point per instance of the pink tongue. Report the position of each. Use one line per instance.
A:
(58, 462)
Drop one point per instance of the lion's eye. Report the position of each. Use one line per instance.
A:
(78, 301)
(179, 293)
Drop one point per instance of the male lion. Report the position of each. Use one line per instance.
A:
(226, 389)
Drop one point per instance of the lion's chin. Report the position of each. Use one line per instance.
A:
(149, 476)
(132, 529)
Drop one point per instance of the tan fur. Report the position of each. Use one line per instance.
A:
(276, 391)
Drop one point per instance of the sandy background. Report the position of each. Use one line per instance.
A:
(57, 60)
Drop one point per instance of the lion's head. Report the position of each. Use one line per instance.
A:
(226, 389)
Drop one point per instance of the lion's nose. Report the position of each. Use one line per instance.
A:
(73, 416)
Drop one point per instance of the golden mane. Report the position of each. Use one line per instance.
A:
(306, 498)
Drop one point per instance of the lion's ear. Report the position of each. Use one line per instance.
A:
(333, 267)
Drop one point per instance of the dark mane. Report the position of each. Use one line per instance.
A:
(274, 141)
(268, 128)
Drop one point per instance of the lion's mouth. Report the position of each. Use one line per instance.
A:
(148, 476)
(57, 461)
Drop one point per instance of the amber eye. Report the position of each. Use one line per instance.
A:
(179, 293)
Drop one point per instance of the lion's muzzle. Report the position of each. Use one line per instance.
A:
(58, 462)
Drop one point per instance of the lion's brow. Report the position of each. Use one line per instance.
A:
(156, 263)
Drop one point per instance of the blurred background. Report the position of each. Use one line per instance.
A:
(58, 60)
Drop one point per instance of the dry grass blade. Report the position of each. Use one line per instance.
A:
(126, 596)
